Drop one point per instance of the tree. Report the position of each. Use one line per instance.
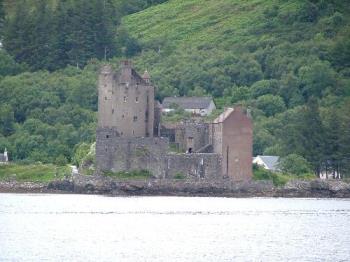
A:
(340, 51)
(316, 78)
(294, 164)
(2, 17)
(42, 54)
(80, 152)
(264, 87)
(18, 33)
(344, 111)
(270, 104)
(6, 120)
(305, 135)
(333, 134)
(8, 65)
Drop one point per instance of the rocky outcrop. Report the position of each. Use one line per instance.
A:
(22, 187)
(182, 187)
(315, 188)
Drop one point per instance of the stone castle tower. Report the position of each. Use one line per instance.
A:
(125, 102)
(128, 135)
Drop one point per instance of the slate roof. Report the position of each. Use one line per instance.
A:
(187, 102)
(270, 161)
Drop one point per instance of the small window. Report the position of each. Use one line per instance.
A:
(125, 98)
(133, 132)
(137, 99)
(107, 136)
(123, 116)
(121, 133)
(135, 118)
(112, 111)
(105, 98)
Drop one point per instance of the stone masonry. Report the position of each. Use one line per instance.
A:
(128, 134)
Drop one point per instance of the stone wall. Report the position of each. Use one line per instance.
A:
(124, 154)
(194, 166)
(192, 135)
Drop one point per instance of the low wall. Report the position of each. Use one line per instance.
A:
(194, 166)
(125, 154)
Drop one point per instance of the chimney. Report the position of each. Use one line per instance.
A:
(126, 64)
(146, 77)
(126, 71)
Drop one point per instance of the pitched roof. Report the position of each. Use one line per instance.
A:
(270, 161)
(221, 118)
(188, 102)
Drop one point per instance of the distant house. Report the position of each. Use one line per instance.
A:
(267, 162)
(197, 105)
(4, 158)
(328, 174)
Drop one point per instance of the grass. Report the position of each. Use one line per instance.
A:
(195, 21)
(175, 117)
(174, 148)
(33, 172)
(134, 174)
(278, 179)
(179, 176)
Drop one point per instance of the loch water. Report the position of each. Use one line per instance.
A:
(48, 227)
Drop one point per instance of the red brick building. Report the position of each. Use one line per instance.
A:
(231, 135)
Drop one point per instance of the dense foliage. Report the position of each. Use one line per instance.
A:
(289, 61)
(47, 36)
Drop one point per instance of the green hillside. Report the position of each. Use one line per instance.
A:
(233, 42)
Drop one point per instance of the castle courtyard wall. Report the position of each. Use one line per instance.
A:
(194, 166)
(118, 154)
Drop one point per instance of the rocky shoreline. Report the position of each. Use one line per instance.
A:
(161, 187)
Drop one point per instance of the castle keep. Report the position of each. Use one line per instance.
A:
(129, 134)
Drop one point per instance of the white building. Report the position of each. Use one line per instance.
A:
(4, 159)
(202, 106)
(267, 162)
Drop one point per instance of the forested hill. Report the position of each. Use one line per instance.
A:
(289, 60)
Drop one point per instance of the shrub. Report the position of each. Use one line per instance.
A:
(277, 179)
(179, 176)
(294, 164)
(133, 174)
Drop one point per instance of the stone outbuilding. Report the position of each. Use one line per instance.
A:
(202, 106)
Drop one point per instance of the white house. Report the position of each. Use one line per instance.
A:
(196, 105)
(4, 159)
(267, 162)
(328, 174)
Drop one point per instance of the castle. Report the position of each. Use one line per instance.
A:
(130, 135)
